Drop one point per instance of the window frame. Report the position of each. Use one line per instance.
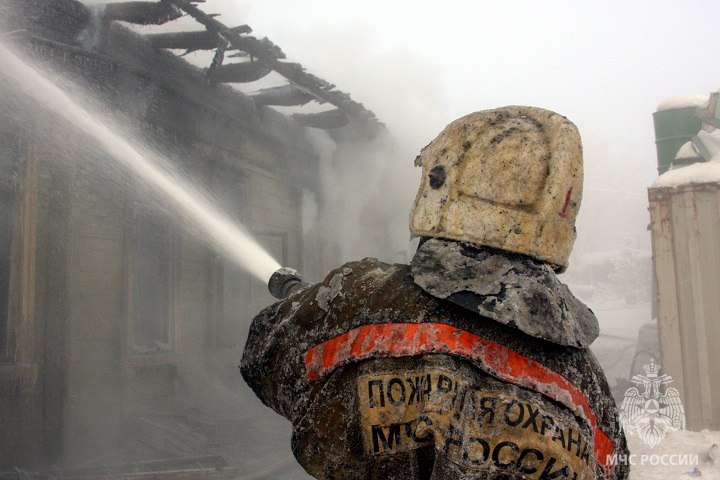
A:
(133, 357)
(17, 355)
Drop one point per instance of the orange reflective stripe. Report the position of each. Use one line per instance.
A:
(410, 339)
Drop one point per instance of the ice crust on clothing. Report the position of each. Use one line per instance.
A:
(511, 289)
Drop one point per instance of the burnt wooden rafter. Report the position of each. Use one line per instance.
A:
(141, 13)
(285, 95)
(238, 72)
(217, 58)
(326, 120)
(201, 40)
(267, 53)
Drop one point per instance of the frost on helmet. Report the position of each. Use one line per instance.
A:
(509, 178)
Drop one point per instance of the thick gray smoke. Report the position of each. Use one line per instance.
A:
(365, 207)
(369, 187)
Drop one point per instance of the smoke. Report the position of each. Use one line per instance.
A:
(90, 36)
(369, 187)
(363, 213)
(309, 211)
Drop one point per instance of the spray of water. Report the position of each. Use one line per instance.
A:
(228, 237)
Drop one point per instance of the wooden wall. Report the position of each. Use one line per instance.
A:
(685, 225)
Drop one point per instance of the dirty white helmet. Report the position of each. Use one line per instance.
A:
(509, 178)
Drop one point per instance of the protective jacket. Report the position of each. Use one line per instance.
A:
(382, 379)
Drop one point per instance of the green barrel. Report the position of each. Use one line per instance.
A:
(673, 128)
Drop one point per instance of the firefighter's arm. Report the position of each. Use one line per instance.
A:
(272, 350)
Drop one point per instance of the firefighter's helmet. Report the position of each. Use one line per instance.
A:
(509, 178)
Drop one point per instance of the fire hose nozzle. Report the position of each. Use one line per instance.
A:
(286, 281)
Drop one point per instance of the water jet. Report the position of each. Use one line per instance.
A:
(228, 237)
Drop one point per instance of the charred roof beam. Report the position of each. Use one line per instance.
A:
(141, 13)
(217, 59)
(294, 72)
(327, 120)
(238, 72)
(201, 40)
(286, 96)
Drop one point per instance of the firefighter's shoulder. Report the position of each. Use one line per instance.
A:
(512, 289)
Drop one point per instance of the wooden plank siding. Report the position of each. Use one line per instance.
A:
(686, 254)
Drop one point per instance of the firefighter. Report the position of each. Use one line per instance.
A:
(472, 362)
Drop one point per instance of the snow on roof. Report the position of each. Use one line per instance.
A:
(711, 141)
(684, 101)
(703, 172)
(687, 151)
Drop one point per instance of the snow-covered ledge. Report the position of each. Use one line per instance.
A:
(705, 172)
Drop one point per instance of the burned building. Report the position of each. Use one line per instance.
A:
(112, 307)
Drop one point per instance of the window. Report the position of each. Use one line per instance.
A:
(7, 205)
(152, 280)
(18, 220)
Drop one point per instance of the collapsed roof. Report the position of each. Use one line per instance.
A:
(260, 57)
